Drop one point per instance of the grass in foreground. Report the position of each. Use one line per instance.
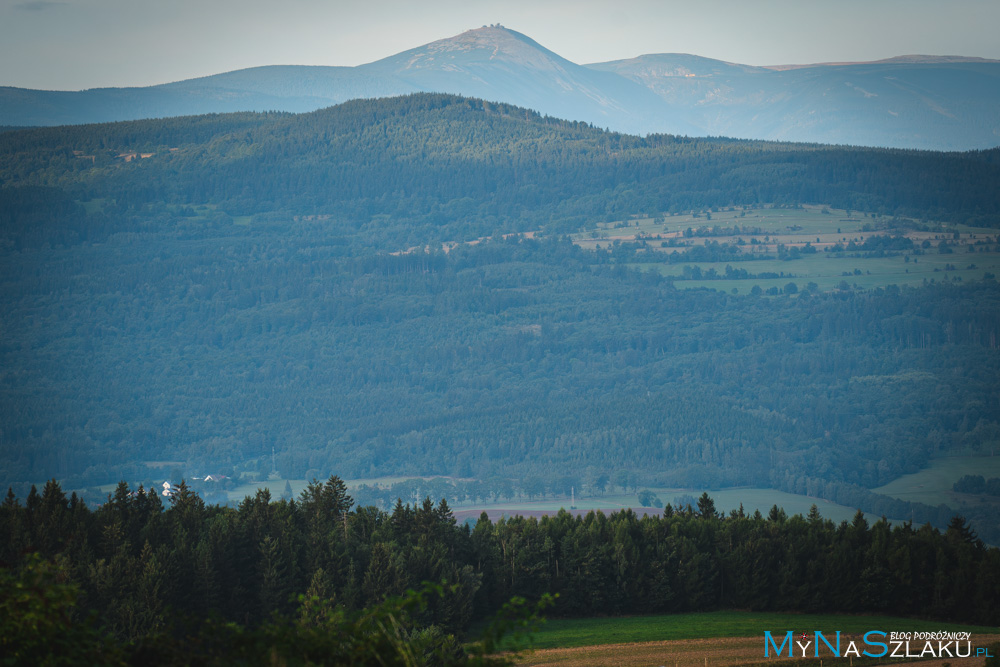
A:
(568, 633)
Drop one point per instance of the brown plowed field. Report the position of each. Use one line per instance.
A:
(678, 653)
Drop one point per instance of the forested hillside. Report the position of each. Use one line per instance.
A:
(206, 290)
(411, 170)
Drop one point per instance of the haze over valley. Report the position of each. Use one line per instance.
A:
(927, 102)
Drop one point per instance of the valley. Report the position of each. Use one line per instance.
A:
(466, 307)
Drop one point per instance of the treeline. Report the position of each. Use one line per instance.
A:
(983, 517)
(424, 168)
(695, 273)
(492, 489)
(978, 484)
(565, 484)
(140, 564)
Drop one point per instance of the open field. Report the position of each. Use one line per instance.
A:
(795, 223)
(711, 653)
(713, 638)
(828, 271)
(277, 486)
(781, 225)
(575, 632)
(725, 500)
(974, 251)
(932, 485)
(942, 474)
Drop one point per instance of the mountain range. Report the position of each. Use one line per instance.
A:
(926, 102)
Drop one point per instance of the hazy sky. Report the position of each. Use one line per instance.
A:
(73, 44)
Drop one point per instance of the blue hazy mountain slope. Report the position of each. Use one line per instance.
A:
(316, 87)
(492, 63)
(926, 102)
(940, 103)
(499, 64)
(276, 88)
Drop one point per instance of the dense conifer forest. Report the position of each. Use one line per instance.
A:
(507, 358)
(147, 569)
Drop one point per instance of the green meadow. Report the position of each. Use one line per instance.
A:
(277, 486)
(726, 500)
(568, 633)
(973, 253)
(933, 484)
(806, 221)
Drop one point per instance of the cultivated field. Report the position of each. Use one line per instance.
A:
(933, 484)
(277, 486)
(725, 501)
(679, 653)
(732, 651)
(570, 633)
(713, 638)
(974, 252)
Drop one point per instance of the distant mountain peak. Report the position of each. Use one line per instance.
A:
(482, 46)
(909, 101)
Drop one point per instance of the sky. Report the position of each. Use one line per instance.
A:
(77, 44)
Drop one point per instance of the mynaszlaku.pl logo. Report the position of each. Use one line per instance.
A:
(875, 644)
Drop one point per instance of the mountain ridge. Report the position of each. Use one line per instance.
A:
(913, 58)
(910, 101)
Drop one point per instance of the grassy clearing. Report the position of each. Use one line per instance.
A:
(277, 486)
(381, 481)
(795, 225)
(769, 227)
(717, 652)
(932, 485)
(568, 633)
(93, 206)
(828, 271)
(163, 464)
(807, 221)
(725, 500)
